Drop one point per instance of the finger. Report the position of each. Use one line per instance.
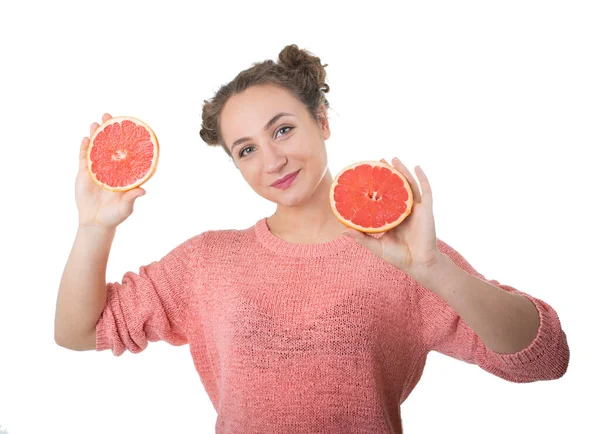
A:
(83, 149)
(384, 161)
(411, 180)
(425, 185)
(95, 125)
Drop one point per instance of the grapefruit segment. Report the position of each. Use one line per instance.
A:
(371, 196)
(122, 154)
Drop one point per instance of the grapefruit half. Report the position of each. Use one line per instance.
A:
(371, 196)
(122, 154)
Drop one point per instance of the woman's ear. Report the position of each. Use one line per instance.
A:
(324, 122)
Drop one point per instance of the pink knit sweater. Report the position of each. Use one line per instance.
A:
(306, 338)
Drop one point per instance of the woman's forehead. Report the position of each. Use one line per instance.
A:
(262, 100)
(247, 113)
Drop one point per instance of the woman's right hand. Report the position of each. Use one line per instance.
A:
(99, 207)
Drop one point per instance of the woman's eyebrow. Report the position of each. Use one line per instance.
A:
(266, 127)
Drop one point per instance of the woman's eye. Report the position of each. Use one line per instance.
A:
(242, 151)
(249, 147)
(283, 128)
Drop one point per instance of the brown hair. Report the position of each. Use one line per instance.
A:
(297, 71)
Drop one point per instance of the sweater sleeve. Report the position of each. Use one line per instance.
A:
(546, 358)
(150, 305)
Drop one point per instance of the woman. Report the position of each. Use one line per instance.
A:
(299, 324)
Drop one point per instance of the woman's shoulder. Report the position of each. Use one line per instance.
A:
(220, 240)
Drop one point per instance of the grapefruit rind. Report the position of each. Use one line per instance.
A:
(150, 171)
(387, 227)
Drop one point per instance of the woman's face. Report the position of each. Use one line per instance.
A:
(265, 146)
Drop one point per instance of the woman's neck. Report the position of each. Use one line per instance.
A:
(311, 223)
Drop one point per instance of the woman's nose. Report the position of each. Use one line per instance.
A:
(273, 157)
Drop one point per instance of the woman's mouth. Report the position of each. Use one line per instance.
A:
(285, 184)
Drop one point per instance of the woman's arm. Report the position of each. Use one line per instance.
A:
(82, 291)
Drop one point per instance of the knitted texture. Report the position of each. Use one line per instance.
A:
(306, 338)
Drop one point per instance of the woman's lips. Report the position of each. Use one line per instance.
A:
(287, 182)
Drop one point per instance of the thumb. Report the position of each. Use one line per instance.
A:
(134, 194)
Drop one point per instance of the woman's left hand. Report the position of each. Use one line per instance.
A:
(412, 245)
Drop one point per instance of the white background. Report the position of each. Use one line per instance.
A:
(497, 101)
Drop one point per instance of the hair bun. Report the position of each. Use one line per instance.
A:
(304, 62)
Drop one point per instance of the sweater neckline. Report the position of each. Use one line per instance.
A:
(282, 247)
